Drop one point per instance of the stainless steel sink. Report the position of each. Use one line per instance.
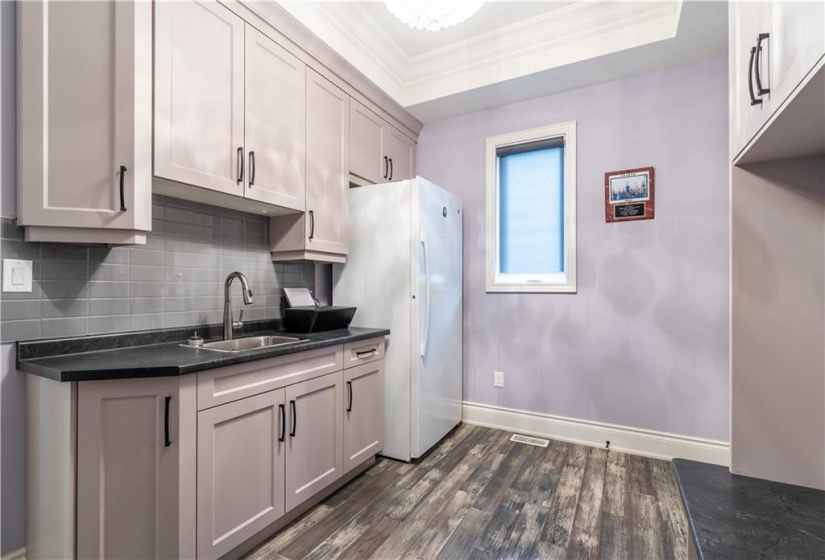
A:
(251, 343)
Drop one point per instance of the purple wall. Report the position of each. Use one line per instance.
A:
(644, 342)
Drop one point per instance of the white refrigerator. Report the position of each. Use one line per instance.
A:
(404, 272)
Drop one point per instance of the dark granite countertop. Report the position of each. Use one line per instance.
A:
(734, 517)
(143, 354)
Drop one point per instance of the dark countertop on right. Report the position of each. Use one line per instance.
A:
(734, 517)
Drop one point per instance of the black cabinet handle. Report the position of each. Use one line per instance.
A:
(123, 188)
(311, 224)
(759, 89)
(366, 354)
(386, 167)
(754, 100)
(349, 386)
(240, 164)
(282, 410)
(167, 441)
(294, 418)
(390, 177)
(251, 168)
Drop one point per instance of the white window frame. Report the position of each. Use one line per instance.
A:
(562, 282)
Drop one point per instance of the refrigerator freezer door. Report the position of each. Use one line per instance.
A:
(377, 279)
(437, 352)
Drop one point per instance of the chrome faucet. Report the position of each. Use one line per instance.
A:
(229, 325)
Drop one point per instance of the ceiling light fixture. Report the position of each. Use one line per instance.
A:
(432, 15)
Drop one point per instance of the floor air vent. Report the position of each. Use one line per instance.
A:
(538, 442)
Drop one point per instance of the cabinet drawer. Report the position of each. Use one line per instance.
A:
(363, 352)
(223, 385)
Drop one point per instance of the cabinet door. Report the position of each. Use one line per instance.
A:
(366, 149)
(363, 413)
(85, 108)
(275, 130)
(315, 438)
(797, 42)
(399, 151)
(327, 221)
(240, 471)
(199, 95)
(127, 470)
(746, 22)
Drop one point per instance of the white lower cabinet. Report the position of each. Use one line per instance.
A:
(315, 439)
(363, 413)
(240, 471)
(134, 444)
(167, 468)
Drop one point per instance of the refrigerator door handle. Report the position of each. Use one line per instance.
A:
(429, 299)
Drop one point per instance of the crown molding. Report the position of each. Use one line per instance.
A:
(543, 34)
(580, 31)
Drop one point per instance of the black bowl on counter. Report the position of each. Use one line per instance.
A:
(316, 319)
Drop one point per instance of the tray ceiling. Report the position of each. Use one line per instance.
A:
(511, 51)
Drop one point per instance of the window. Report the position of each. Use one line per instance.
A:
(531, 210)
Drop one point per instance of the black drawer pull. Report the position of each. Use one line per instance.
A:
(294, 418)
(758, 73)
(167, 441)
(282, 410)
(366, 353)
(240, 164)
(311, 224)
(386, 167)
(754, 100)
(390, 177)
(349, 386)
(252, 168)
(123, 188)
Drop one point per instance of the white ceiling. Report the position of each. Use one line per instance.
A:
(512, 51)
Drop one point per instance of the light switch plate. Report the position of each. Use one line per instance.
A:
(17, 275)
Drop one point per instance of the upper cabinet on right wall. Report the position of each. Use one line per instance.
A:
(378, 151)
(777, 54)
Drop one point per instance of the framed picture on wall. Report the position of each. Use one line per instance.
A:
(629, 194)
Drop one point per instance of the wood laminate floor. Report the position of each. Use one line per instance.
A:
(479, 495)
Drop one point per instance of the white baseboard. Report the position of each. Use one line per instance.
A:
(19, 554)
(649, 443)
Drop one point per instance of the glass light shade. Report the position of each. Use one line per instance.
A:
(432, 15)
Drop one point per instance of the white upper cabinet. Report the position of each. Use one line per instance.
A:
(327, 177)
(322, 232)
(230, 111)
(366, 149)
(400, 153)
(84, 121)
(275, 123)
(796, 44)
(199, 95)
(378, 151)
(749, 108)
(774, 49)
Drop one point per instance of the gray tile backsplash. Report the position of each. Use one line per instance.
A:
(176, 279)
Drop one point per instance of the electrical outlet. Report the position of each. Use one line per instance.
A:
(498, 379)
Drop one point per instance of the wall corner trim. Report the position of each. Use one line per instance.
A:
(19, 554)
(649, 443)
